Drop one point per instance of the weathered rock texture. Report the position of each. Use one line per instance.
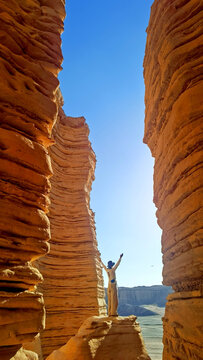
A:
(105, 338)
(30, 60)
(173, 131)
(73, 283)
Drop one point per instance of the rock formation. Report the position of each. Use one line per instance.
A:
(73, 283)
(102, 338)
(172, 71)
(30, 60)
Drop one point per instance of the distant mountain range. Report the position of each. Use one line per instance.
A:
(131, 300)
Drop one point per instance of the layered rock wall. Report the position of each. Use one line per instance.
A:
(73, 283)
(173, 131)
(30, 60)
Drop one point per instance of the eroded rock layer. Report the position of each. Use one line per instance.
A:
(105, 338)
(173, 131)
(30, 60)
(73, 283)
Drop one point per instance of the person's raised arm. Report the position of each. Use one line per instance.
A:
(104, 266)
(118, 262)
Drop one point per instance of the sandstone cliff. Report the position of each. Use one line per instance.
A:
(30, 60)
(173, 131)
(73, 283)
(103, 338)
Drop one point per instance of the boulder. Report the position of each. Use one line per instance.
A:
(104, 338)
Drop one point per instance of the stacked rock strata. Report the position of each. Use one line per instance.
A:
(105, 338)
(30, 60)
(73, 283)
(173, 131)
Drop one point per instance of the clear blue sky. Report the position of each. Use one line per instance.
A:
(102, 80)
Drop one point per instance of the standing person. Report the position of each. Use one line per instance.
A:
(112, 286)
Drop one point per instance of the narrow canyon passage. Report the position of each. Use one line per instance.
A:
(51, 286)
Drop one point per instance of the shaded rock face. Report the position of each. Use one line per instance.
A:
(73, 283)
(130, 309)
(172, 69)
(104, 338)
(30, 60)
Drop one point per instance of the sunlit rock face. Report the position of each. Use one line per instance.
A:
(73, 283)
(104, 338)
(30, 60)
(172, 70)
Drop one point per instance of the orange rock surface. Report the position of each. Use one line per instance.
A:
(173, 131)
(30, 60)
(73, 283)
(104, 338)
